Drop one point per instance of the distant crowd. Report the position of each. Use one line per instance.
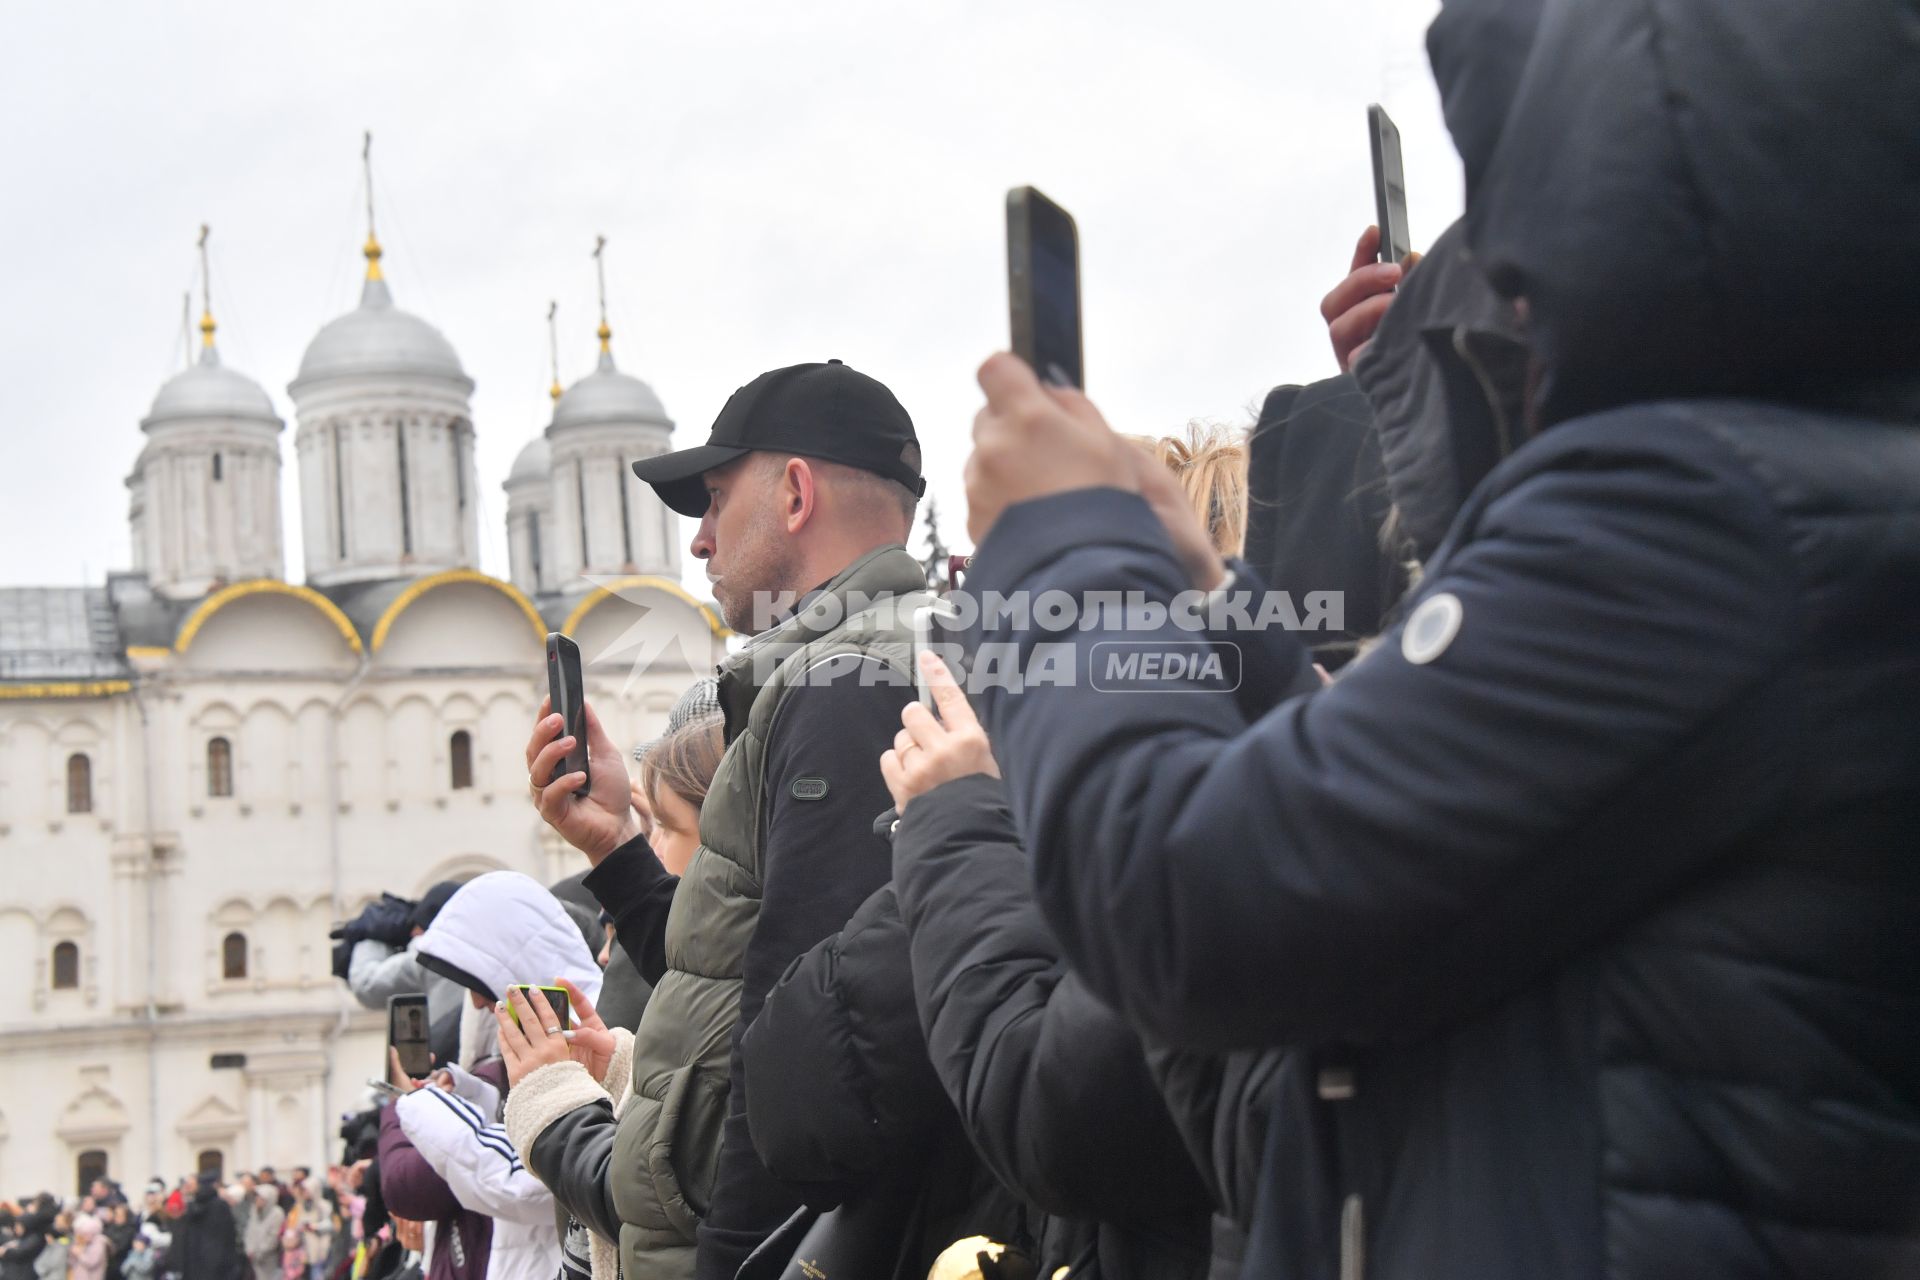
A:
(257, 1226)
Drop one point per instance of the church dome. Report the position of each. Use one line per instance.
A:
(379, 338)
(534, 462)
(211, 390)
(607, 395)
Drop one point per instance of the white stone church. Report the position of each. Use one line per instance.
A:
(204, 765)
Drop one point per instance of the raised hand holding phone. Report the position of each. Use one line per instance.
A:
(930, 750)
(597, 816)
(1043, 287)
(1389, 186)
(526, 1044)
(408, 1037)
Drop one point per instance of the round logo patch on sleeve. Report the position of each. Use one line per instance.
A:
(809, 788)
(1431, 628)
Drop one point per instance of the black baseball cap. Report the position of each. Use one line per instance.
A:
(827, 411)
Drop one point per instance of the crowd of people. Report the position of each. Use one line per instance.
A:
(255, 1227)
(1544, 911)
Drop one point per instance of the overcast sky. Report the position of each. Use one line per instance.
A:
(777, 182)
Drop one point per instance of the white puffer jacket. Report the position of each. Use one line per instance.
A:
(501, 929)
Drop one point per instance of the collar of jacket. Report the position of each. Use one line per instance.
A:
(1446, 376)
(884, 571)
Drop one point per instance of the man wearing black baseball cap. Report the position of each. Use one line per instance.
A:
(805, 489)
(770, 514)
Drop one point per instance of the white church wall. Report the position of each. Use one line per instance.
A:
(342, 786)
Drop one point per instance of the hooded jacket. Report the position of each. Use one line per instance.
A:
(1583, 899)
(501, 929)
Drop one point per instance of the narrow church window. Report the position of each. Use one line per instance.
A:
(66, 966)
(340, 486)
(626, 525)
(233, 957)
(580, 485)
(90, 1168)
(533, 546)
(460, 753)
(79, 783)
(216, 466)
(211, 1164)
(406, 506)
(219, 767)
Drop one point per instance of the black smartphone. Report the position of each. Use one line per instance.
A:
(1043, 287)
(557, 1000)
(1389, 186)
(569, 697)
(407, 1034)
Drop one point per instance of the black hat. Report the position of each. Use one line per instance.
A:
(825, 411)
(430, 903)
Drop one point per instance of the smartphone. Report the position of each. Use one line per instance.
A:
(569, 698)
(1043, 287)
(931, 623)
(1389, 186)
(407, 1034)
(556, 1000)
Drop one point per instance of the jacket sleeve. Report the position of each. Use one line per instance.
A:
(475, 1159)
(1418, 839)
(839, 1086)
(1051, 1085)
(408, 1184)
(563, 1122)
(378, 972)
(822, 859)
(632, 887)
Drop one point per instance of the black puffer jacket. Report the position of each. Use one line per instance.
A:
(1585, 900)
(1051, 1085)
(843, 1103)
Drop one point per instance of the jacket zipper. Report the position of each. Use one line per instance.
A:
(1353, 1239)
(1337, 1084)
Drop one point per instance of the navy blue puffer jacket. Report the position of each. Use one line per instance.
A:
(1590, 898)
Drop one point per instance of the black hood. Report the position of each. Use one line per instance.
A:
(1445, 376)
(1694, 197)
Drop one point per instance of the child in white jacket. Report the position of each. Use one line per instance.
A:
(501, 929)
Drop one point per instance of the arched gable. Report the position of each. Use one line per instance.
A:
(460, 618)
(267, 625)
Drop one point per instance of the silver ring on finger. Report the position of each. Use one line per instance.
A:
(553, 1031)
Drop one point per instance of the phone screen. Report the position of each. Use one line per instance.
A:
(566, 690)
(1043, 264)
(408, 1034)
(1389, 186)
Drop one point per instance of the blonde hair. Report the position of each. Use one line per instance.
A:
(685, 760)
(1210, 463)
